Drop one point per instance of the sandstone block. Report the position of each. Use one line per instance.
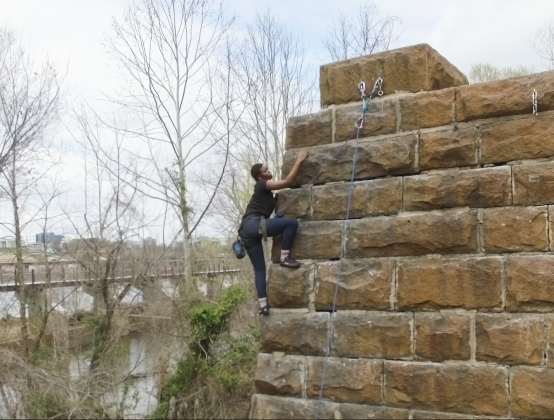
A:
(392, 156)
(488, 187)
(461, 389)
(427, 109)
(409, 69)
(357, 411)
(429, 415)
(533, 393)
(504, 97)
(273, 407)
(372, 335)
(346, 380)
(380, 118)
(509, 339)
(448, 149)
(449, 232)
(295, 202)
(534, 184)
(369, 198)
(280, 375)
(511, 229)
(530, 285)
(442, 337)
(364, 284)
(527, 138)
(550, 341)
(468, 283)
(310, 130)
(300, 333)
(288, 288)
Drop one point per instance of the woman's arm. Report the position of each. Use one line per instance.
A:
(287, 182)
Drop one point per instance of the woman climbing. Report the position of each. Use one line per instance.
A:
(261, 204)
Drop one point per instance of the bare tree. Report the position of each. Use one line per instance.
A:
(29, 103)
(362, 34)
(165, 48)
(486, 72)
(542, 42)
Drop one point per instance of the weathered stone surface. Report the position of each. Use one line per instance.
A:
(314, 240)
(370, 198)
(527, 138)
(280, 375)
(534, 184)
(448, 149)
(429, 415)
(272, 407)
(488, 187)
(550, 341)
(300, 333)
(364, 284)
(533, 393)
(409, 69)
(288, 288)
(310, 130)
(530, 283)
(504, 97)
(295, 202)
(427, 109)
(469, 283)
(346, 380)
(357, 411)
(380, 118)
(511, 229)
(449, 232)
(442, 337)
(374, 335)
(392, 156)
(462, 389)
(509, 339)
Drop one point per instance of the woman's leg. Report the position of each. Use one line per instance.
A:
(287, 227)
(256, 255)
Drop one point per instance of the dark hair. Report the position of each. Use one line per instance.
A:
(255, 170)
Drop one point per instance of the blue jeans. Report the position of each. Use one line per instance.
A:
(252, 241)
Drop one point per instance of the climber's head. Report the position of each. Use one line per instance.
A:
(260, 171)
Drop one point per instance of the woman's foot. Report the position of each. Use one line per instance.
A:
(289, 262)
(264, 310)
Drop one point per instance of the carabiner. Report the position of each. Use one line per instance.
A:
(359, 123)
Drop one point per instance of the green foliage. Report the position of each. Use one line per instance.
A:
(41, 356)
(45, 406)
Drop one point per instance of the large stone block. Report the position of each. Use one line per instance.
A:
(442, 337)
(534, 184)
(505, 97)
(310, 130)
(550, 340)
(427, 109)
(468, 283)
(509, 339)
(346, 380)
(357, 411)
(288, 288)
(380, 118)
(273, 407)
(512, 229)
(527, 138)
(429, 415)
(450, 388)
(296, 333)
(409, 69)
(295, 203)
(449, 232)
(488, 187)
(364, 284)
(280, 375)
(448, 149)
(391, 156)
(533, 393)
(530, 283)
(372, 335)
(369, 198)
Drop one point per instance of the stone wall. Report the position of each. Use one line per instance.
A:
(446, 302)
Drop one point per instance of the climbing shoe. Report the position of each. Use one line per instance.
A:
(264, 311)
(289, 262)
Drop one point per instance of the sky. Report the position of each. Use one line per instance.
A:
(71, 32)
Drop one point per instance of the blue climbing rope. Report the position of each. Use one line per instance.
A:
(359, 125)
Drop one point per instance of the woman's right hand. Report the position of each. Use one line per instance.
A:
(301, 156)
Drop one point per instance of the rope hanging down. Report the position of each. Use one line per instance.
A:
(359, 125)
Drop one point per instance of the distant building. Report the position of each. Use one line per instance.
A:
(7, 242)
(48, 238)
